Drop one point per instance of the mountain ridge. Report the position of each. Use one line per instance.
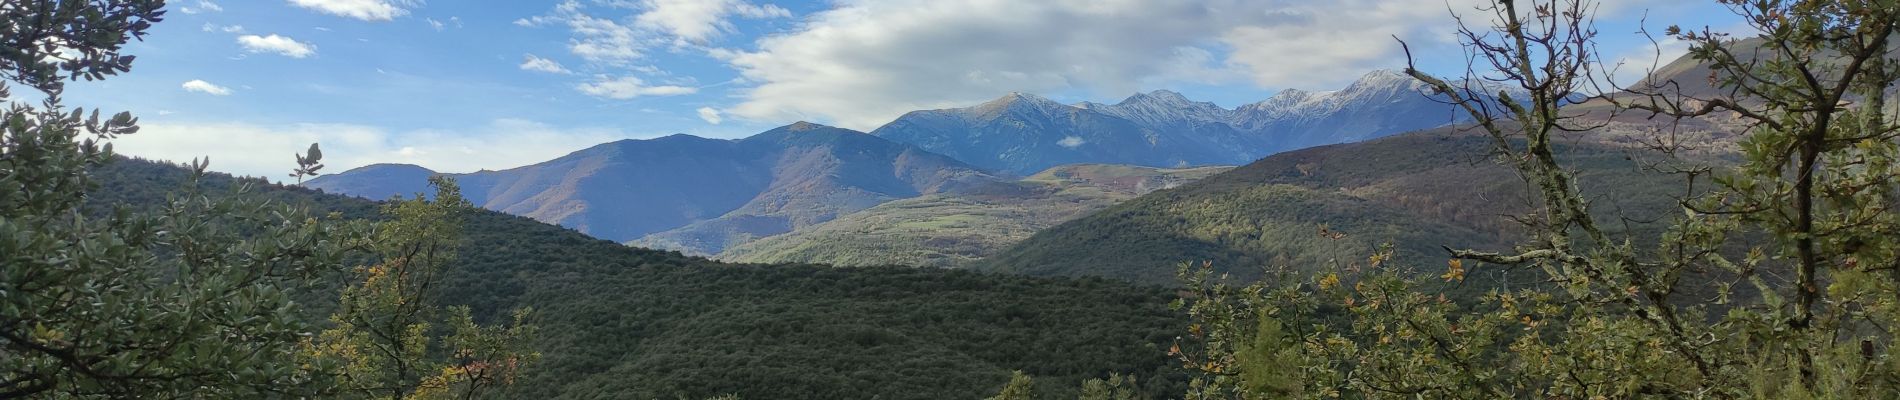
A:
(624, 190)
(702, 196)
(1019, 134)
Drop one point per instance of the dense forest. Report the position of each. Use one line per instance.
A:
(620, 321)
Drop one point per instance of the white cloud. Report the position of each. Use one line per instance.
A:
(367, 10)
(210, 27)
(440, 25)
(627, 87)
(1071, 142)
(277, 44)
(535, 63)
(603, 40)
(265, 150)
(764, 11)
(1632, 66)
(200, 86)
(203, 6)
(699, 21)
(865, 62)
(612, 41)
(710, 115)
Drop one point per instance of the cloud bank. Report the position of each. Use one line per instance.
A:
(265, 150)
(627, 87)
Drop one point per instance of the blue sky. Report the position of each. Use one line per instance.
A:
(463, 85)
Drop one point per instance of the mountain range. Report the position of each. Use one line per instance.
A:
(1021, 134)
(705, 196)
(705, 193)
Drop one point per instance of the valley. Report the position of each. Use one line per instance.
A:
(911, 192)
(951, 230)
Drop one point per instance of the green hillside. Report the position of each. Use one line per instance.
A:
(953, 229)
(621, 322)
(1418, 191)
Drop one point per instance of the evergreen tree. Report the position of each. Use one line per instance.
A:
(186, 300)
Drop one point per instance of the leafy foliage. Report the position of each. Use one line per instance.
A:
(43, 43)
(1115, 387)
(1020, 387)
(1788, 236)
(382, 343)
(189, 295)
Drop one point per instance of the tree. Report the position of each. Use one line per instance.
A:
(382, 342)
(308, 163)
(43, 43)
(1778, 279)
(1116, 387)
(1020, 387)
(189, 299)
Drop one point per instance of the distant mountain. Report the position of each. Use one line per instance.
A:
(1163, 110)
(954, 228)
(1379, 104)
(819, 173)
(703, 196)
(377, 181)
(1020, 134)
(767, 184)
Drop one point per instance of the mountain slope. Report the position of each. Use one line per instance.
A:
(622, 322)
(1417, 191)
(734, 190)
(818, 174)
(377, 181)
(1379, 104)
(952, 229)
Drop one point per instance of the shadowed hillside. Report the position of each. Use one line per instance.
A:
(1418, 191)
(709, 192)
(624, 322)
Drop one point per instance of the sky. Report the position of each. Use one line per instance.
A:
(460, 86)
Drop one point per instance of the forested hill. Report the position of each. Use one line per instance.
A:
(1331, 206)
(621, 322)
